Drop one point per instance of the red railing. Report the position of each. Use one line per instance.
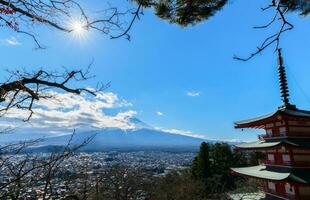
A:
(261, 137)
(268, 162)
(274, 162)
(280, 194)
(285, 163)
(265, 136)
(282, 135)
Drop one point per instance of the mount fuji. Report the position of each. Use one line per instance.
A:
(142, 137)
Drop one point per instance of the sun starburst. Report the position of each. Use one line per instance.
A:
(79, 29)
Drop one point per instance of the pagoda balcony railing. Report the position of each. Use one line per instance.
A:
(265, 136)
(274, 162)
(285, 163)
(283, 135)
(264, 162)
(280, 194)
(262, 137)
(270, 162)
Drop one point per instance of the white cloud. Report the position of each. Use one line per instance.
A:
(182, 132)
(159, 113)
(12, 41)
(66, 112)
(193, 93)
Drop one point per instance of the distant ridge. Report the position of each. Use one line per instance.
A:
(141, 137)
(133, 139)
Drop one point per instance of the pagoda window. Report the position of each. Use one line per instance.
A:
(271, 157)
(282, 131)
(269, 132)
(271, 186)
(286, 158)
(289, 189)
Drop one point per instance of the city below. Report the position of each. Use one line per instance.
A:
(85, 168)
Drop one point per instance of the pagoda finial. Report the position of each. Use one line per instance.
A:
(283, 83)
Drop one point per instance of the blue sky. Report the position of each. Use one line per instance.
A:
(177, 78)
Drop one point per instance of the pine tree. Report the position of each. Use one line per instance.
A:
(221, 157)
(201, 164)
(255, 157)
(185, 12)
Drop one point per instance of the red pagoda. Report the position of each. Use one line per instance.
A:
(285, 174)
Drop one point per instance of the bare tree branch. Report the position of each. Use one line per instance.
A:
(23, 88)
(19, 15)
(274, 39)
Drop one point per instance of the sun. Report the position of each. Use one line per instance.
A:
(79, 29)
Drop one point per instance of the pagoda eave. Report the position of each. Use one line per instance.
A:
(261, 173)
(274, 174)
(257, 145)
(260, 122)
(265, 144)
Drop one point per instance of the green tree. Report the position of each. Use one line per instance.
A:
(301, 6)
(201, 164)
(255, 157)
(239, 160)
(222, 158)
(185, 12)
(212, 166)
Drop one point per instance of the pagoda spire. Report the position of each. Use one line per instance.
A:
(283, 83)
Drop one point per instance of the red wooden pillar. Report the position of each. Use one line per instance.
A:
(296, 187)
(291, 155)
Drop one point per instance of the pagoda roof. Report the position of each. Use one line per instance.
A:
(261, 172)
(259, 122)
(276, 174)
(257, 144)
(272, 143)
